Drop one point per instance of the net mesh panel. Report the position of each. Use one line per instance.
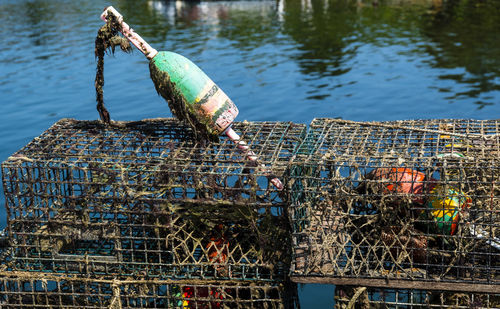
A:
(406, 200)
(44, 290)
(364, 298)
(146, 198)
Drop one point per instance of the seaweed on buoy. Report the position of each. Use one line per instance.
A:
(179, 106)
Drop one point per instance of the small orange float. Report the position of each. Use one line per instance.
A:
(400, 180)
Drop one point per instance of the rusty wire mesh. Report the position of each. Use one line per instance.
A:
(146, 199)
(48, 290)
(406, 201)
(364, 298)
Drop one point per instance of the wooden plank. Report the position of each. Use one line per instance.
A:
(471, 287)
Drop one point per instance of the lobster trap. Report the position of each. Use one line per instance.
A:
(48, 290)
(363, 297)
(146, 198)
(398, 204)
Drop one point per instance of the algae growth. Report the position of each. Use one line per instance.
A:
(107, 39)
(179, 106)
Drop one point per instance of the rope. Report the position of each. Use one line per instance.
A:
(116, 301)
(395, 126)
(355, 297)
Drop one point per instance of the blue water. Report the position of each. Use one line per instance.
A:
(278, 60)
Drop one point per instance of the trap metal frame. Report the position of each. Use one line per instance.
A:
(146, 198)
(42, 290)
(363, 297)
(398, 204)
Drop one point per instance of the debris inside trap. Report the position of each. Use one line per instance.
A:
(420, 221)
(379, 199)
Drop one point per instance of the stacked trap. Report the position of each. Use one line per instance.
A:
(145, 204)
(143, 215)
(401, 205)
(370, 297)
(26, 290)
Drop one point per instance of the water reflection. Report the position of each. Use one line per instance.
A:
(247, 24)
(466, 35)
(325, 32)
(325, 36)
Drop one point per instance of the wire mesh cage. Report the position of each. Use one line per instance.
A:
(47, 290)
(4, 245)
(365, 297)
(146, 198)
(406, 201)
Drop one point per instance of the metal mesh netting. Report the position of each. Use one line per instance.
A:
(364, 298)
(144, 198)
(37, 290)
(406, 201)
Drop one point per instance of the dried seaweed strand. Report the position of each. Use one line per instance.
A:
(107, 39)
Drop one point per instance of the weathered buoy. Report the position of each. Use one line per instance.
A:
(180, 297)
(187, 293)
(445, 203)
(204, 293)
(189, 91)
